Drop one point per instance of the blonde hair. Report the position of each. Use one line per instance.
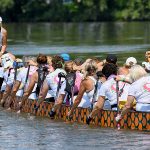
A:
(90, 68)
(49, 60)
(69, 66)
(136, 72)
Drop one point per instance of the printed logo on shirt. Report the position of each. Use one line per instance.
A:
(113, 86)
(146, 87)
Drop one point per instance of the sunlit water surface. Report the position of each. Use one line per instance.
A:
(28, 132)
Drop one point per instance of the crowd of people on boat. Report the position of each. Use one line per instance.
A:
(91, 83)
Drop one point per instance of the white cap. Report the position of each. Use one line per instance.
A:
(7, 61)
(131, 61)
(1, 19)
(146, 65)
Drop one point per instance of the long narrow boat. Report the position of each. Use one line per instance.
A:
(105, 118)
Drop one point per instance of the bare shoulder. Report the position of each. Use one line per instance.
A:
(4, 31)
(85, 82)
(35, 75)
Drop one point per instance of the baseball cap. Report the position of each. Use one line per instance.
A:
(131, 61)
(65, 56)
(146, 65)
(7, 61)
(111, 58)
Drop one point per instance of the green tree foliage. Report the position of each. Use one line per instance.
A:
(74, 10)
(5, 5)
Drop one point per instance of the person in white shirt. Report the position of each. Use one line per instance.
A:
(73, 80)
(139, 90)
(9, 73)
(107, 90)
(32, 89)
(52, 80)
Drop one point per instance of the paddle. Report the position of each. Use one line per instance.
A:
(72, 84)
(60, 75)
(99, 74)
(26, 80)
(15, 66)
(45, 70)
(117, 94)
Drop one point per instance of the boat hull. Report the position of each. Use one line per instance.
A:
(105, 118)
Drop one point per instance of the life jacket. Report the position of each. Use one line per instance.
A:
(42, 73)
(73, 81)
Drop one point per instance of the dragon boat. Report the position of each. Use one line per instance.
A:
(105, 118)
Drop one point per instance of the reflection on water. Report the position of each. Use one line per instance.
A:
(50, 38)
(26, 132)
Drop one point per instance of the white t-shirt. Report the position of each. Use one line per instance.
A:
(9, 76)
(22, 78)
(140, 89)
(52, 80)
(8, 79)
(1, 72)
(108, 89)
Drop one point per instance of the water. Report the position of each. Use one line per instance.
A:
(23, 132)
(54, 38)
(81, 40)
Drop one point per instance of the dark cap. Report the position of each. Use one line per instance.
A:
(111, 58)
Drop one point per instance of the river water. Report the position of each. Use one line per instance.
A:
(23, 132)
(54, 38)
(80, 40)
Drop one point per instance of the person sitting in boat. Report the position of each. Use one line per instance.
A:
(123, 75)
(35, 80)
(146, 64)
(131, 61)
(22, 79)
(9, 72)
(69, 88)
(49, 62)
(111, 59)
(52, 80)
(65, 56)
(87, 88)
(81, 68)
(78, 61)
(139, 90)
(108, 90)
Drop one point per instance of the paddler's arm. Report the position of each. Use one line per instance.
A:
(6, 94)
(58, 102)
(126, 108)
(123, 79)
(78, 98)
(15, 89)
(98, 106)
(43, 93)
(128, 105)
(31, 85)
(4, 41)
